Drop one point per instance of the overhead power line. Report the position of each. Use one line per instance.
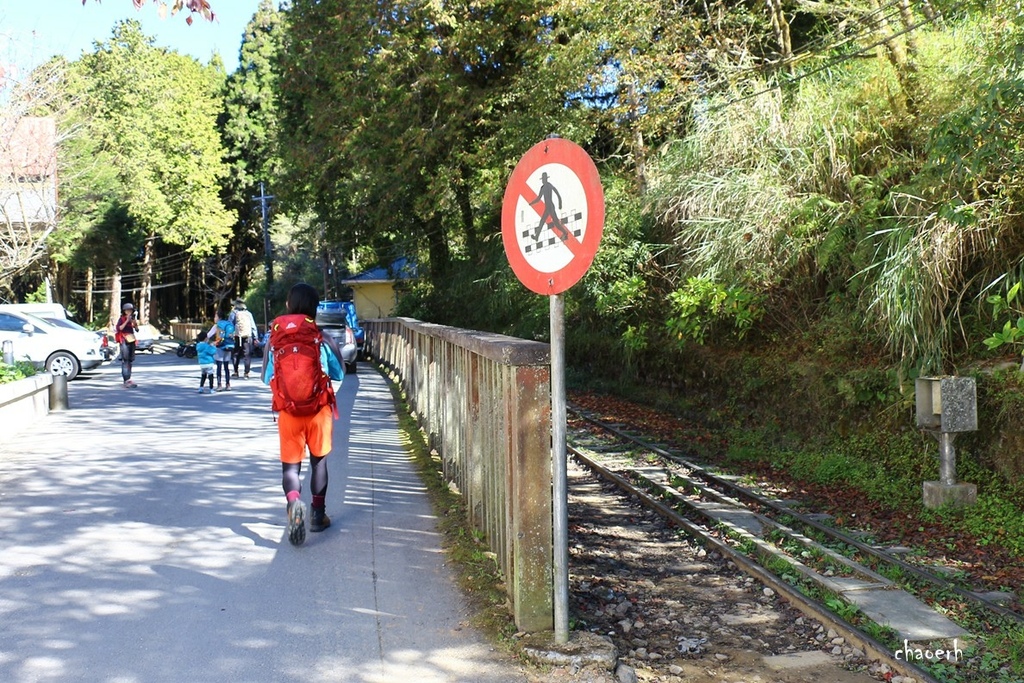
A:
(127, 290)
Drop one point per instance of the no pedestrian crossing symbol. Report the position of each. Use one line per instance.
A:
(552, 216)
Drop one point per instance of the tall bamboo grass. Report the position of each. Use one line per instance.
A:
(837, 181)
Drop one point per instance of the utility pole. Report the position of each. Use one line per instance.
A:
(268, 251)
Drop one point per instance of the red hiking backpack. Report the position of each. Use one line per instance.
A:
(299, 384)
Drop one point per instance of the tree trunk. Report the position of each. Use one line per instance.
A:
(928, 10)
(781, 28)
(437, 244)
(893, 47)
(639, 150)
(904, 66)
(907, 15)
(65, 289)
(640, 160)
(463, 198)
(191, 307)
(115, 294)
(146, 286)
(90, 276)
(325, 263)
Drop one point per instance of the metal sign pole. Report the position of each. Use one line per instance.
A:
(554, 168)
(560, 494)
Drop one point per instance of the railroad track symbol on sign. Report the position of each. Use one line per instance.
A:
(552, 216)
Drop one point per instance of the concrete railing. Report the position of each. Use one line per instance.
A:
(484, 401)
(24, 401)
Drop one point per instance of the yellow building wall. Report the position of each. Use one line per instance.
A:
(374, 300)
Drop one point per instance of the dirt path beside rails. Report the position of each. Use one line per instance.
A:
(677, 613)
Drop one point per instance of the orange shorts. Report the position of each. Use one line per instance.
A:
(314, 431)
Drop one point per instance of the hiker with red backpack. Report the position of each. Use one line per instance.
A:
(299, 366)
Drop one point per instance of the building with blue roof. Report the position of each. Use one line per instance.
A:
(375, 291)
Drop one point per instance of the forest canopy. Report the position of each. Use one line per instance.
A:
(765, 164)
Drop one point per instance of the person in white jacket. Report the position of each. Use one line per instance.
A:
(245, 336)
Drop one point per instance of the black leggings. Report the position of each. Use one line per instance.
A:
(291, 476)
(226, 364)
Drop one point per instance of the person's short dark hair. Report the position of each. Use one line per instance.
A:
(201, 336)
(302, 298)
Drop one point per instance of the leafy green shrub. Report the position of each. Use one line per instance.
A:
(1012, 332)
(837, 468)
(993, 520)
(19, 370)
(701, 306)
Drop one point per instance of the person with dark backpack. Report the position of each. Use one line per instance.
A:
(299, 366)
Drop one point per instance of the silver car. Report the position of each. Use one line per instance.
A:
(60, 350)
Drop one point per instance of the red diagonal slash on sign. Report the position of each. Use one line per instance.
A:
(570, 241)
(537, 273)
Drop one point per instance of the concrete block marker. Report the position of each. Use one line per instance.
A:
(911, 618)
(729, 514)
(583, 649)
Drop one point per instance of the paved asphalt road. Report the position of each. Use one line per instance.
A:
(142, 540)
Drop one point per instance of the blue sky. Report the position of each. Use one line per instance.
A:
(31, 31)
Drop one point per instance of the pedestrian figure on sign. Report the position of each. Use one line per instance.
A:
(547, 194)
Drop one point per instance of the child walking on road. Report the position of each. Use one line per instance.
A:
(223, 334)
(206, 353)
(299, 366)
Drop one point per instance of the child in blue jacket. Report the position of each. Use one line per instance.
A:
(206, 353)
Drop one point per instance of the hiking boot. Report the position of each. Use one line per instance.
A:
(296, 522)
(319, 520)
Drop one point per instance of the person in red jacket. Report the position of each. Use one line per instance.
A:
(124, 334)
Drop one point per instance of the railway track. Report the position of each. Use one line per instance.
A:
(870, 594)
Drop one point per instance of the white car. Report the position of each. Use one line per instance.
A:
(107, 350)
(60, 350)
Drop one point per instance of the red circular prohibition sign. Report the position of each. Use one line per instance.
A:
(552, 216)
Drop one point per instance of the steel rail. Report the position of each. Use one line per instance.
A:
(779, 508)
(808, 606)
